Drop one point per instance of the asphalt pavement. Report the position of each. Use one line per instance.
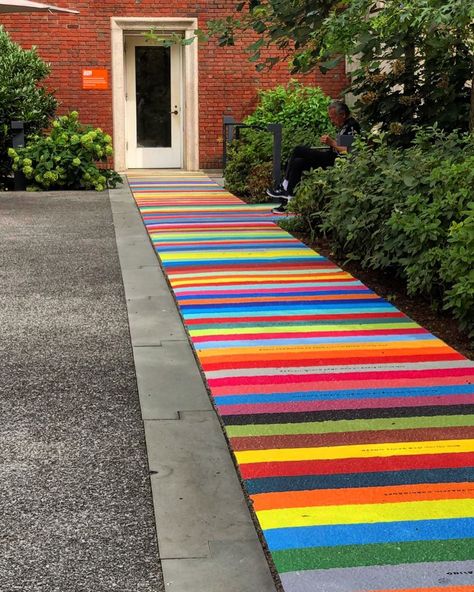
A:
(115, 473)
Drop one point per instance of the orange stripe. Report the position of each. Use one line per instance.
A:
(436, 589)
(276, 356)
(362, 495)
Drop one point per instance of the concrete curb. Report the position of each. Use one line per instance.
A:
(206, 536)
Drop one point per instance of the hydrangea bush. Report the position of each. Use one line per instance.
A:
(68, 157)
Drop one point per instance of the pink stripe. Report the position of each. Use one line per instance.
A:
(281, 291)
(293, 407)
(346, 376)
(324, 385)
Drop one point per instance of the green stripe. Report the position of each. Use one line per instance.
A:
(381, 554)
(355, 425)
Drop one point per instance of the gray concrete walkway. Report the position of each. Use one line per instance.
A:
(91, 376)
(207, 539)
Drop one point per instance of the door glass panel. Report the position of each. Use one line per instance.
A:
(153, 84)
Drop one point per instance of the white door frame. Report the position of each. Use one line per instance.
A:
(185, 26)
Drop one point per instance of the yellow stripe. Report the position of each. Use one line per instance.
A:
(355, 451)
(254, 279)
(366, 513)
(180, 203)
(218, 236)
(240, 255)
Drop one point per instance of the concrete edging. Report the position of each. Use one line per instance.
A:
(206, 536)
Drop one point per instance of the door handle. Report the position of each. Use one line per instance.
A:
(175, 112)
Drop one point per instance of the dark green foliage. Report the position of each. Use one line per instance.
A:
(300, 109)
(259, 179)
(21, 97)
(252, 150)
(404, 85)
(430, 43)
(409, 211)
(68, 157)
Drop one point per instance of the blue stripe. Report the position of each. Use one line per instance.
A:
(254, 261)
(372, 302)
(212, 239)
(348, 394)
(368, 534)
(310, 311)
(224, 248)
(351, 480)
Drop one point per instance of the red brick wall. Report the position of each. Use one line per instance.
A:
(227, 80)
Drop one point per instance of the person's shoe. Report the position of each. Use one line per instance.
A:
(282, 208)
(277, 193)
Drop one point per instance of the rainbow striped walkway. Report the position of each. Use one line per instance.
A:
(352, 425)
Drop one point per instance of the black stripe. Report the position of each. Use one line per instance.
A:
(306, 416)
(352, 480)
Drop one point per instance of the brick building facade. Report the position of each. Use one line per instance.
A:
(210, 81)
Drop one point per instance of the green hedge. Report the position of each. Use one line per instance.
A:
(22, 97)
(409, 211)
(302, 110)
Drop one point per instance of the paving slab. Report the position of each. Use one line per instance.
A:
(135, 253)
(129, 225)
(232, 566)
(191, 466)
(142, 282)
(169, 380)
(151, 320)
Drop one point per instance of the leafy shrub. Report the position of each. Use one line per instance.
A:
(302, 110)
(408, 211)
(68, 157)
(21, 97)
(259, 179)
(243, 156)
(457, 270)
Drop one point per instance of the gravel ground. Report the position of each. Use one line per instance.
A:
(76, 511)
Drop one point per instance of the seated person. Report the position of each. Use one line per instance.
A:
(304, 158)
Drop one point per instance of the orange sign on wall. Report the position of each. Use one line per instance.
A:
(95, 79)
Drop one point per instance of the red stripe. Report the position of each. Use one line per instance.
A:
(356, 465)
(275, 362)
(199, 243)
(330, 405)
(305, 268)
(283, 292)
(341, 376)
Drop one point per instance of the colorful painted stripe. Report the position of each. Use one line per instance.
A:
(351, 425)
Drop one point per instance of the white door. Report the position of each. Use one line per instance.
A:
(153, 104)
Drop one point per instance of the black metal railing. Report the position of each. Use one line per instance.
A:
(18, 141)
(231, 131)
